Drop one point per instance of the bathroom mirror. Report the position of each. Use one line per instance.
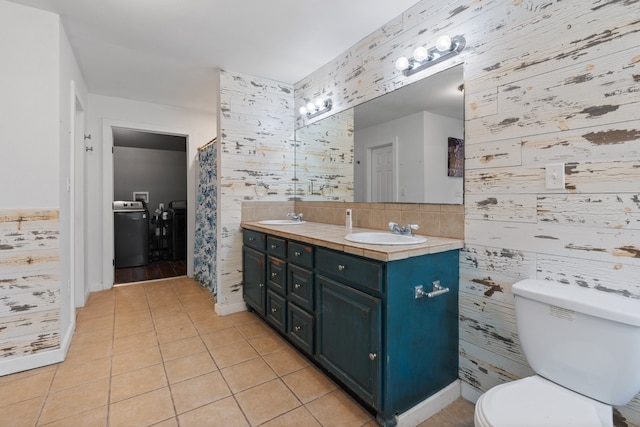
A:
(404, 147)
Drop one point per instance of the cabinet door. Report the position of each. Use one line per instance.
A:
(277, 274)
(300, 287)
(348, 337)
(276, 310)
(254, 279)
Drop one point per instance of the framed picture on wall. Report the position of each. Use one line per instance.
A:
(141, 196)
(456, 157)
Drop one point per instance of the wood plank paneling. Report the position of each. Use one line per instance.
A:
(29, 282)
(545, 82)
(256, 140)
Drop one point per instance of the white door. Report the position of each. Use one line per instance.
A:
(382, 174)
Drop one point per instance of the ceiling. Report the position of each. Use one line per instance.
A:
(166, 51)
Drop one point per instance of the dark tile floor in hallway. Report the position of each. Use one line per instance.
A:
(155, 270)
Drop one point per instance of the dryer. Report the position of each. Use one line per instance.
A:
(131, 233)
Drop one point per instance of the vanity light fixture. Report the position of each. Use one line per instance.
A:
(313, 109)
(445, 48)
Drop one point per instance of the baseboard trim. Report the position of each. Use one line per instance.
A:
(470, 393)
(225, 309)
(38, 360)
(430, 406)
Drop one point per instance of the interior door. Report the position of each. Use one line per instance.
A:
(382, 174)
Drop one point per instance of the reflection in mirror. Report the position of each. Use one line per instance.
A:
(404, 147)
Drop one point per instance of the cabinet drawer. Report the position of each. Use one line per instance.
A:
(277, 247)
(254, 239)
(277, 275)
(301, 254)
(300, 328)
(300, 287)
(367, 274)
(276, 310)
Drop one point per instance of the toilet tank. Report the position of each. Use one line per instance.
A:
(583, 339)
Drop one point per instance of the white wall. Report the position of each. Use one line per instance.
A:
(422, 157)
(29, 107)
(71, 89)
(200, 128)
(439, 187)
(36, 77)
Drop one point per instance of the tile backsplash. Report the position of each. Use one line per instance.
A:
(433, 219)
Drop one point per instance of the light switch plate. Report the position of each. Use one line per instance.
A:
(554, 176)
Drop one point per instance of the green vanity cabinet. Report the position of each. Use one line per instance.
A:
(276, 307)
(348, 337)
(359, 318)
(390, 348)
(300, 296)
(254, 278)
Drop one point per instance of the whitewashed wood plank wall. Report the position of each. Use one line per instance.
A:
(256, 151)
(29, 282)
(546, 81)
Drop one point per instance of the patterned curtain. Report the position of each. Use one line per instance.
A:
(206, 244)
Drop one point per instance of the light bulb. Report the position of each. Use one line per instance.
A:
(402, 63)
(443, 43)
(311, 107)
(320, 103)
(302, 110)
(420, 54)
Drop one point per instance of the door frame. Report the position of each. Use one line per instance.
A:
(77, 232)
(368, 169)
(107, 192)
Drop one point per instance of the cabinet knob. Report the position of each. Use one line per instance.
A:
(251, 239)
(297, 286)
(297, 328)
(261, 285)
(273, 310)
(341, 267)
(274, 246)
(274, 274)
(296, 253)
(372, 356)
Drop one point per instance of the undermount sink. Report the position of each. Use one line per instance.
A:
(374, 238)
(280, 222)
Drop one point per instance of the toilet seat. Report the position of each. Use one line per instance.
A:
(535, 402)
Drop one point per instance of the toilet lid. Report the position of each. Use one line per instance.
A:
(534, 401)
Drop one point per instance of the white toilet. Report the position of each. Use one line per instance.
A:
(584, 346)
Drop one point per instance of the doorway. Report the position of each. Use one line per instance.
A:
(382, 167)
(150, 205)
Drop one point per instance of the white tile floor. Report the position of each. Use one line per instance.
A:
(156, 353)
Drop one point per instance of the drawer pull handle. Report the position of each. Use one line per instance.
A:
(251, 239)
(297, 328)
(274, 246)
(273, 310)
(261, 285)
(341, 267)
(296, 253)
(372, 356)
(274, 274)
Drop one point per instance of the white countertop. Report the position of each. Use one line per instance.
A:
(332, 236)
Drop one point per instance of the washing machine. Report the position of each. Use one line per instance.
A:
(131, 233)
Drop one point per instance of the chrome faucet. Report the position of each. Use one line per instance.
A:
(294, 216)
(406, 230)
